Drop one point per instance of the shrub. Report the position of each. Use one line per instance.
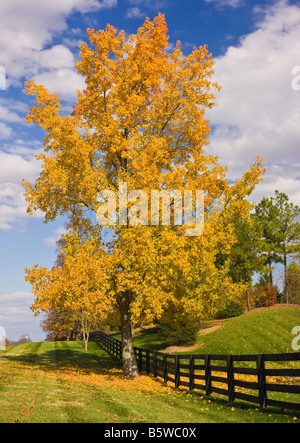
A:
(181, 333)
(231, 309)
(177, 328)
(263, 296)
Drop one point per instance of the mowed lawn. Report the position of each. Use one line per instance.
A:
(60, 382)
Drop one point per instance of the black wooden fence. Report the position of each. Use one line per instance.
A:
(221, 374)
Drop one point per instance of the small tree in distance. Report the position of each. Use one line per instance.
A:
(24, 339)
(78, 286)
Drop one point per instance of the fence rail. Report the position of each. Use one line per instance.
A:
(221, 374)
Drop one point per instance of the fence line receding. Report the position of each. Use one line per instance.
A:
(220, 374)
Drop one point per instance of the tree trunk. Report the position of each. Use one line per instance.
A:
(248, 292)
(270, 271)
(85, 333)
(248, 300)
(130, 368)
(286, 292)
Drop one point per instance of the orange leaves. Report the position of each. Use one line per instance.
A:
(48, 105)
(79, 285)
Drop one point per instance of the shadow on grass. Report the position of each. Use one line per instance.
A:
(151, 339)
(65, 354)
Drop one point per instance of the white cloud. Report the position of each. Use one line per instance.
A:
(57, 57)
(26, 149)
(134, 12)
(8, 115)
(17, 162)
(63, 82)
(140, 8)
(28, 27)
(150, 4)
(16, 298)
(14, 168)
(258, 112)
(13, 206)
(5, 131)
(223, 3)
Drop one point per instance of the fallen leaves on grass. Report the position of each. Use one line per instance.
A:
(112, 378)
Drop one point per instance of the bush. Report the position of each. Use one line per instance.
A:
(231, 309)
(263, 296)
(180, 332)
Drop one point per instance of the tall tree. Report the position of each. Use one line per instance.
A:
(281, 231)
(141, 121)
(263, 218)
(246, 256)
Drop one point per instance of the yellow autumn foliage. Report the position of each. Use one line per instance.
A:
(141, 120)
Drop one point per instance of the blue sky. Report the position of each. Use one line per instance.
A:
(256, 45)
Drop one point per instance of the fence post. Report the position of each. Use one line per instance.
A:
(154, 364)
(148, 361)
(140, 360)
(191, 372)
(230, 379)
(165, 366)
(261, 375)
(120, 350)
(208, 375)
(177, 371)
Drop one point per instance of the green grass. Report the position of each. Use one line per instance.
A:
(60, 382)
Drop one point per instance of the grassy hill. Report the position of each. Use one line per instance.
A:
(266, 331)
